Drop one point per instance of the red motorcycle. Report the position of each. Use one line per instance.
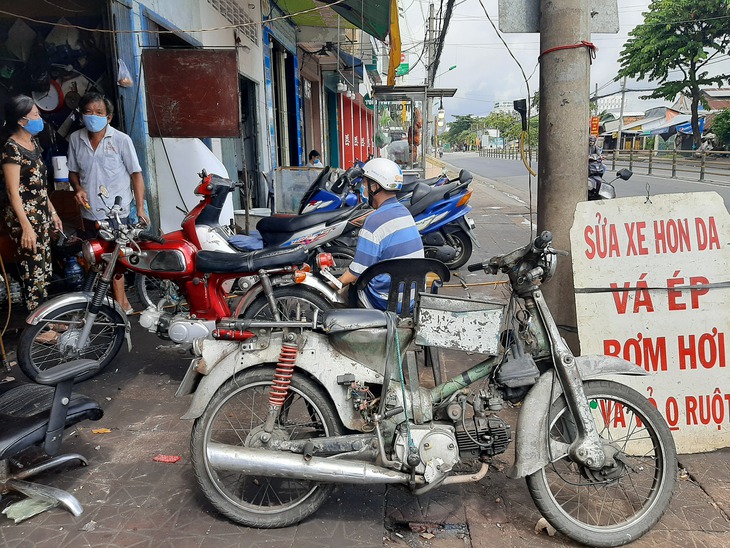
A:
(90, 324)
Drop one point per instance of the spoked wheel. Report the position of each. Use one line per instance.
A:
(618, 504)
(151, 291)
(54, 340)
(462, 242)
(293, 302)
(235, 416)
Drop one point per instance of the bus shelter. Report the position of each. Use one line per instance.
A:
(404, 125)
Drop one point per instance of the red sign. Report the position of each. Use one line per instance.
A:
(595, 125)
(354, 127)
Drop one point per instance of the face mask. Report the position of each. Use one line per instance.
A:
(318, 163)
(34, 125)
(95, 123)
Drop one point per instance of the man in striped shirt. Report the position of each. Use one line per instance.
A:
(388, 233)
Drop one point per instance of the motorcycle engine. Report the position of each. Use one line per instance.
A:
(436, 447)
(179, 328)
(489, 436)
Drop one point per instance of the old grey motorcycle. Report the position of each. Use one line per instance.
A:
(282, 417)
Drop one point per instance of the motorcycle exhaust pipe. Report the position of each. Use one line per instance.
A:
(277, 464)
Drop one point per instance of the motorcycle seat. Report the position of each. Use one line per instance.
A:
(223, 262)
(289, 225)
(350, 319)
(410, 186)
(425, 196)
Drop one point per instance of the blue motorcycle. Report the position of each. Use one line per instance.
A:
(440, 213)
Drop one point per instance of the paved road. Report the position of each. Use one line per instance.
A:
(513, 174)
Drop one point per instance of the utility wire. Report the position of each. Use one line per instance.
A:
(176, 31)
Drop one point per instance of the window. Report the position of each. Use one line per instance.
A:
(238, 16)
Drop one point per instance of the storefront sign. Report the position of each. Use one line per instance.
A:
(652, 286)
(595, 125)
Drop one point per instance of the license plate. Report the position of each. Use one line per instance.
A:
(470, 223)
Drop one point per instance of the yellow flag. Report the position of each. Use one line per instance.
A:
(395, 43)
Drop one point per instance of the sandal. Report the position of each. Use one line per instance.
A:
(47, 337)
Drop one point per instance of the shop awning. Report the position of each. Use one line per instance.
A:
(351, 62)
(372, 16)
(679, 124)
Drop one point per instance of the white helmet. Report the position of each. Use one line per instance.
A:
(384, 172)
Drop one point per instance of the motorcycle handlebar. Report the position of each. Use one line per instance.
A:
(505, 261)
(543, 240)
(118, 201)
(151, 237)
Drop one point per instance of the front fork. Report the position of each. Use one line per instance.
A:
(98, 298)
(587, 448)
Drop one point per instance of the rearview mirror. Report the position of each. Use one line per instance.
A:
(625, 174)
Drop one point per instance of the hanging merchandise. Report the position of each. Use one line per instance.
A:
(39, 67)
(124, 78)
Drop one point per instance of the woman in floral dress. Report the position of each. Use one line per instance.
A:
(27, 210)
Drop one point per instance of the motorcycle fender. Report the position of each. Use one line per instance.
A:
(42, 311)
(310, 281)
(222, 360)
(531, 451)
(332, 295)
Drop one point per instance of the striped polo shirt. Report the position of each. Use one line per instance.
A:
(388, 233)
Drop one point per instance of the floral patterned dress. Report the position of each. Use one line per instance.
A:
(35, 267)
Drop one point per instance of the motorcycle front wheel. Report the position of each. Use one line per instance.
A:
(235, 416)
(53, 340)
(294, 303)
(615, 505)
(462, 242)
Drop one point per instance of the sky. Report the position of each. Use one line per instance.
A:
(485, 73)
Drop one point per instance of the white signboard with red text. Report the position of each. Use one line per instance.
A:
(652, 286)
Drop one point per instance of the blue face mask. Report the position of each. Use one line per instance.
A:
(95, 123)
(34, 125)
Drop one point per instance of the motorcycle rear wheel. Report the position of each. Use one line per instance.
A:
(462, 242)
(151, 291)
(294, 303)
(234, 416)
(342, 255)
(613, 506)
(50, 342)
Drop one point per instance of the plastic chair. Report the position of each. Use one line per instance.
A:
(35, 415)
(408, 278)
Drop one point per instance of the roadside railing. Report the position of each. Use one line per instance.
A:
(683, 164)
(677, 164)
(511, 153)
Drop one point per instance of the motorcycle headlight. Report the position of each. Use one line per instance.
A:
(92, 251)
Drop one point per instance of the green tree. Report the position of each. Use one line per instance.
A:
(721, 127)
(460, 130)
(673, 46)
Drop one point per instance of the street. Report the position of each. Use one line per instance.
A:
(513, 174)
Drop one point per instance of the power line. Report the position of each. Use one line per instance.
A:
(176, 31)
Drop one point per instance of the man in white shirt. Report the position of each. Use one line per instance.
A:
(102, 160)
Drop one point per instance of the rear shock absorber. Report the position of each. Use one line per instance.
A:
(283, 375)
(280, 385)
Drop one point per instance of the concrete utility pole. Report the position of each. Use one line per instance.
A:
(431, 37)
(564, 115)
